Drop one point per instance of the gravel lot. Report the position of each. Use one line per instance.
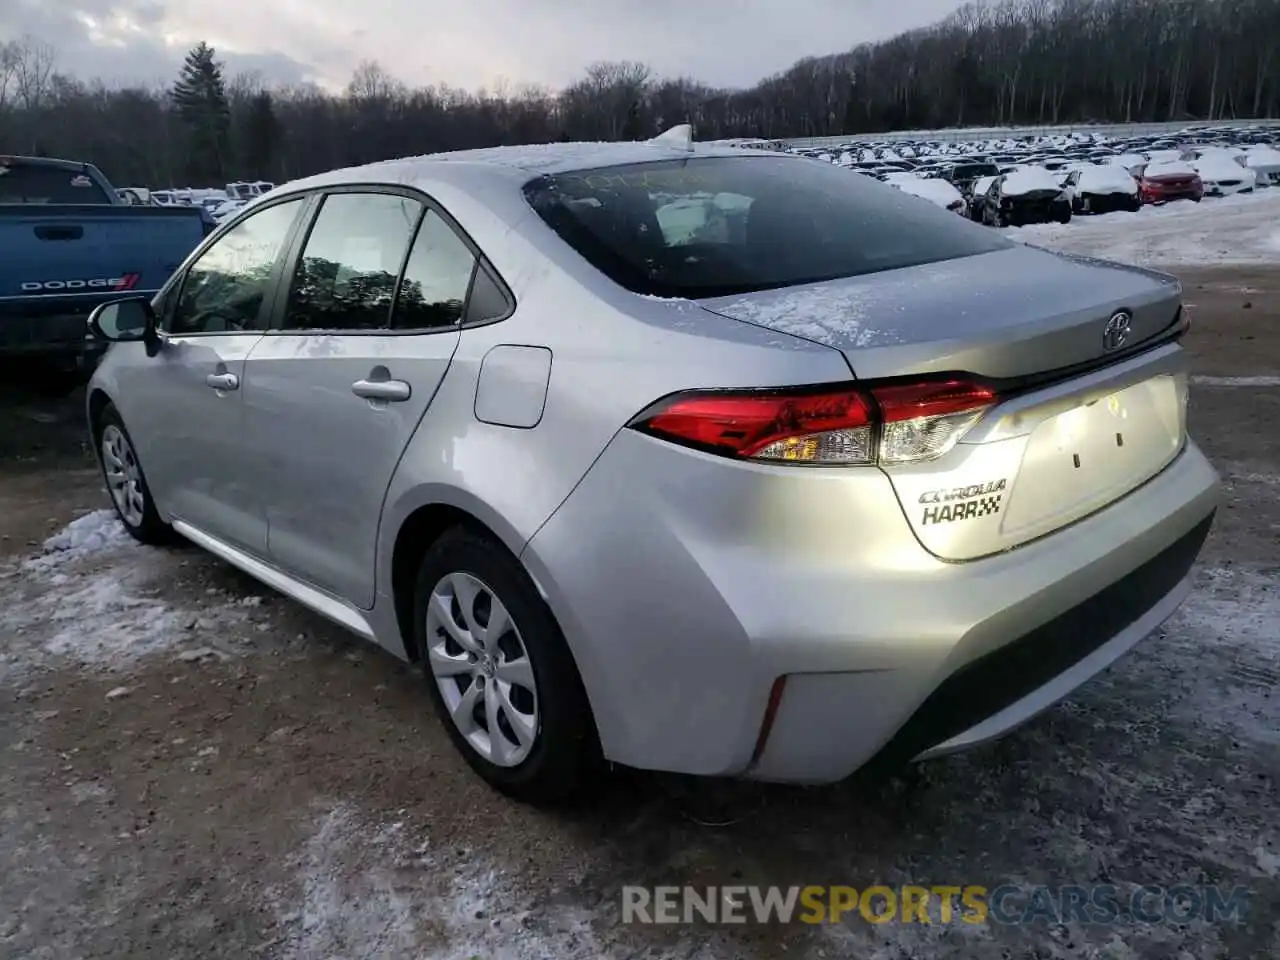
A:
(192, 766)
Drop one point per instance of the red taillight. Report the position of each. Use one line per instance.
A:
(888, 423)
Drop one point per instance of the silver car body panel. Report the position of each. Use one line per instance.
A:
(1003, 314)
(686, 584)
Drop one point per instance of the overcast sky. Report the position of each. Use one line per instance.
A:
(464, 43)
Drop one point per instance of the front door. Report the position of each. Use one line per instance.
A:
(336, 393)
(189, 405)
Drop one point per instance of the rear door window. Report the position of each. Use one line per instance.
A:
(715, 226)
(346, 277)
(437, 277)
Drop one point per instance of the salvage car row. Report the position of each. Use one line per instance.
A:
(1013, 182)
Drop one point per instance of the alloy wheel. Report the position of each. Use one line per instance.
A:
(124, 476)
(481, 667)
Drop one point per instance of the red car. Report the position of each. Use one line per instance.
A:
(1162, 182)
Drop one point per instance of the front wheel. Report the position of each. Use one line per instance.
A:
(500, 673)
(126, 482)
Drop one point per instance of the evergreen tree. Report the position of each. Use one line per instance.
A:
(200, 95)
(259, 136)
(633, 126)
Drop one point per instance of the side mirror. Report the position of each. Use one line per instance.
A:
(123, 321)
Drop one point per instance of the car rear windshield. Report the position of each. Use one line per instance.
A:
(715, 226)
(34, 183)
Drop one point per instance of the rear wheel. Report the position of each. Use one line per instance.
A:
(500, 673)
(126, 482)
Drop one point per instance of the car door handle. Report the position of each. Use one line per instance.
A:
(395, 391)
(222, 381)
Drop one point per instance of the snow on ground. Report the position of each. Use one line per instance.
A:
(1239, 230)
(1235, 611)
(89, 598)
(373, 890)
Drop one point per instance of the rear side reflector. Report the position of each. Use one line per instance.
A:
(889, 422)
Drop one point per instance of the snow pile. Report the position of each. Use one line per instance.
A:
(1240, 230)
(97, 532)
(92, 599)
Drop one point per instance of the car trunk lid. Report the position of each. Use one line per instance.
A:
(1077, 424)
(1010, 313)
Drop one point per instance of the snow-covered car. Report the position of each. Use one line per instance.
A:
(1028, 195)
(1265, 162)
(980, 188)
(1133, 162)
(929, 188)
(1102, 189)
(226, 209)
(1223, 176)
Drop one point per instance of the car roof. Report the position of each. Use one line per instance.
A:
(478, 168)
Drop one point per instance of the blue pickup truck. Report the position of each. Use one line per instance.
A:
(68, 243)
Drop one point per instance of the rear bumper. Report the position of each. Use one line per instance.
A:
(686, 588)
(1108, 202)
(1168, 194)
(1007, 687)
(1037, 211)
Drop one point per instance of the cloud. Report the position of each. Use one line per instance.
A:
(724, 42)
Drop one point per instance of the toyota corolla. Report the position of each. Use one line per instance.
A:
(694, 459)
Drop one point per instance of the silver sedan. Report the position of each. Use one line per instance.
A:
(686, 458)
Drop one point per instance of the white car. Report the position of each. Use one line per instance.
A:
(1265, 162)
(1223, 176)
(935, 190)
(1102, 188)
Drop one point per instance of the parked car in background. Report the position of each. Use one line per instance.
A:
(1167, 180)
(1102, 189)
(977, 191)
(1028, 195)
(929, 188)
(1223, 176)
(226, 209)
(962, 176)
(1265, 162)
(390, 408)
(248, 190)
(70, 243)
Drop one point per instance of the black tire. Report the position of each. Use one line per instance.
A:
(151, 530)
(565, 751)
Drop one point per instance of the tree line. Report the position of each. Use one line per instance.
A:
(1011, 62)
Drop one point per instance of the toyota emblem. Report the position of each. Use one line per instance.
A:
(1116, 333)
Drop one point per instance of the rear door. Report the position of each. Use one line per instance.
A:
(186, 404)
(367, 330)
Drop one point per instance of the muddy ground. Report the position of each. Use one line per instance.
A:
(192, 766)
